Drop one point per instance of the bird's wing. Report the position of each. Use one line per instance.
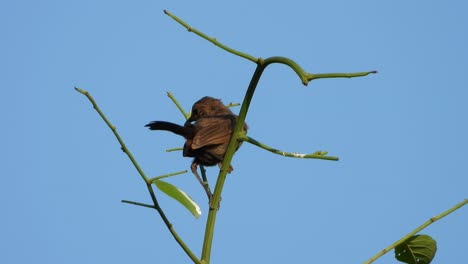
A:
(212, 131)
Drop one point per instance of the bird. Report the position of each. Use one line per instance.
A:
(207, 133)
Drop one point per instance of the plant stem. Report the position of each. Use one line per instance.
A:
(181, 109)
(142, 174)
(174, 149)
(152, 180)
(212, 40)
(170, 227)
(415, 231)
(237, 133)
(233, 143)
(139, 204)
(315, 155)
(114, 130)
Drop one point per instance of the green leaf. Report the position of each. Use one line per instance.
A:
(180, 196)
(418, 249)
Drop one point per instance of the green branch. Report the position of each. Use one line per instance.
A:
(417, 230)
(114, 130)
(232, 105)
(210, 39)
(303, 75)
(181, 109)
(174, 149)
(152, 180)
(142, 174)
(307, 77)
(316, 155)
(233, 143)
(238, 135)
(311, 76)
(139, 204)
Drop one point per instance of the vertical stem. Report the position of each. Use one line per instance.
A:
(214, 204)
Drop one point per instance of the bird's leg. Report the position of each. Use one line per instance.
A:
(229, 169)
(203, 183)
(203, 173)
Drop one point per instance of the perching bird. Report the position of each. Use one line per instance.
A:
(207, 138)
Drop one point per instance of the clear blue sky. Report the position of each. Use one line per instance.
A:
(401, 135)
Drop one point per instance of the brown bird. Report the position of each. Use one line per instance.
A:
(207, 138)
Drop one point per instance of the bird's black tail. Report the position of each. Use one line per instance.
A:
(168, 126)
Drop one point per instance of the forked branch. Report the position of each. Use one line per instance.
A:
(148, 181)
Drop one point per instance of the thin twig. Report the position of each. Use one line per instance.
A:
(315, 155)
(114, 130)
(142, 174)
(232, 105)
(307, 77)
(212, 40)
(166, 175)
(415, 231)
(303, 75)
(174, 149)
(181, 109)
(139, 204)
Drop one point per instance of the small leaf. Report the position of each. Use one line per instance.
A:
(418, 249)
(180, 196)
